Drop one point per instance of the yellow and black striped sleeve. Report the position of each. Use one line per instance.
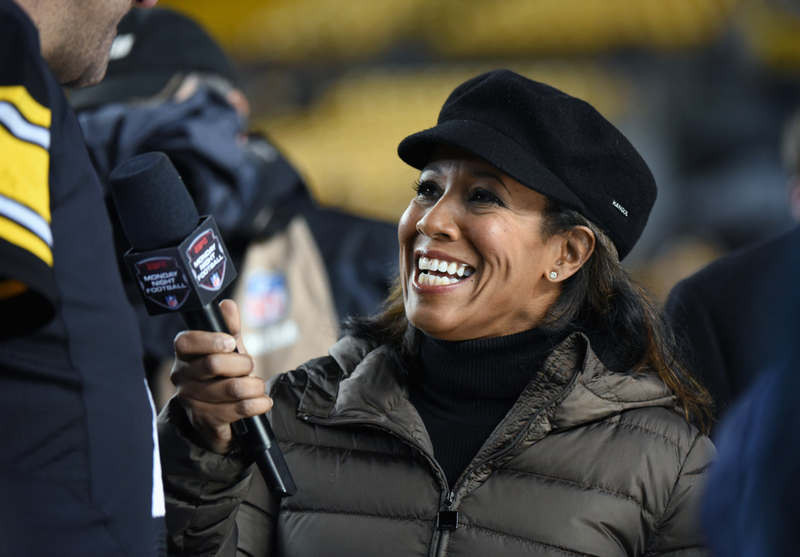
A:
(27, 287)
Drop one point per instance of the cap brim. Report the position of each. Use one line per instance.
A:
(492, 146)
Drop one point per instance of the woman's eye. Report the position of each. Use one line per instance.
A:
(484, 197)
(425, 189)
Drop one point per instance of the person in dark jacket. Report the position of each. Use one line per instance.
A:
(519, 395)
(740, 313)
(743, 327)
(750, 506)
(79, 465)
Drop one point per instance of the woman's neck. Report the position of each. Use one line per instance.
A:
(463, 389)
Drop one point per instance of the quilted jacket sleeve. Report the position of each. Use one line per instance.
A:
(205, 494)
(678, 532)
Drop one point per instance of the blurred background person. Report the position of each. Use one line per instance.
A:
(741, 314)
(302, 268)
(750, 505)
(79, 466)
(520, 394)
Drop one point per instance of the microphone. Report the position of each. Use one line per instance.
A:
(180, 264)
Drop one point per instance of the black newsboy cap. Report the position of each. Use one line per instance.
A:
(551, 142)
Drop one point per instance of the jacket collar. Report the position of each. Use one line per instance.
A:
(599, 393)
(361, 385)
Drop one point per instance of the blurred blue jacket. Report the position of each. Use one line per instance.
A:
(752, 503)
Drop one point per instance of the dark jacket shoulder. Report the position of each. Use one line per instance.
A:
(737, 312)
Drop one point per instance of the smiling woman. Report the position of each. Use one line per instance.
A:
(468, 215)
(518, 395)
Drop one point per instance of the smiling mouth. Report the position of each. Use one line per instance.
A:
(438, 272)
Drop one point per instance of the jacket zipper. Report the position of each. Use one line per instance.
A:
(447, 519)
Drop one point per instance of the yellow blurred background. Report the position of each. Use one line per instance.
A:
(337, 85)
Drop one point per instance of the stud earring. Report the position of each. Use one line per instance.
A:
(553, 275)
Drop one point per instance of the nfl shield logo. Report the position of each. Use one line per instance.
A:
(215, 280)
(266, 298)
(172, 301)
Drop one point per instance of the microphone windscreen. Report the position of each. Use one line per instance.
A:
(154, 206)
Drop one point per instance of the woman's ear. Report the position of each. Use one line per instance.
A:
(576, 245)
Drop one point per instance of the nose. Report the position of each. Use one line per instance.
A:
(441, 220)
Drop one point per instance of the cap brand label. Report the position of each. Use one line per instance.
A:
(207, 260)
(622, 209)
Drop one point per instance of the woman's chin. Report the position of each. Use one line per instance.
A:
(436, 327)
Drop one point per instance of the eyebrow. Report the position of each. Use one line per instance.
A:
(488, 174)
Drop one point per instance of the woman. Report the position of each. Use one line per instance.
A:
(519, 395)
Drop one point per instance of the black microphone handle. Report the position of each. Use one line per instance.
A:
(253, 434)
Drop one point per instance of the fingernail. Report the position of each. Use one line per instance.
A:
(229, 344)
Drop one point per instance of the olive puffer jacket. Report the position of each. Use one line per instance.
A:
(587, 462)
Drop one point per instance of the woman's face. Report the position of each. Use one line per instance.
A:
(482, 229)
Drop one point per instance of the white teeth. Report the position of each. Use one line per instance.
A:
(451, 268)
(425, 278)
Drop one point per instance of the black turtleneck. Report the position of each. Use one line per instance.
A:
(463, 389)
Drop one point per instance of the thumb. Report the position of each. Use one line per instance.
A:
(230, 311)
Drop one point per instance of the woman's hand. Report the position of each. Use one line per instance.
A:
(214, 383)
